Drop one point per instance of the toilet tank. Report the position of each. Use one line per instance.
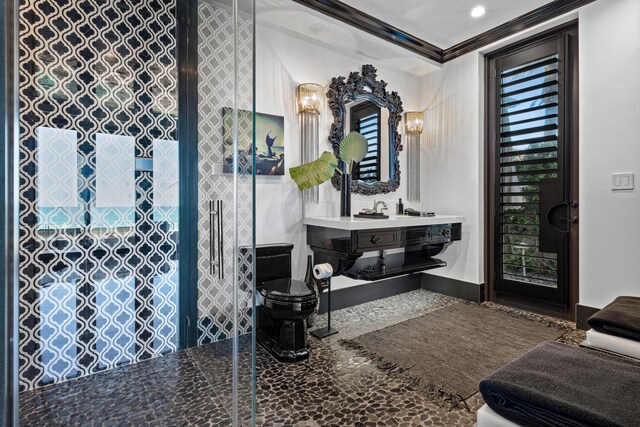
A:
(273, 261)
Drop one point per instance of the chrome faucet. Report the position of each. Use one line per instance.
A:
(375, 206)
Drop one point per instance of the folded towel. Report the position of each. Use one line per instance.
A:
(559, 385)
(620, 318)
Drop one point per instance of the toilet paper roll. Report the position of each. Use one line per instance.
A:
(322, 271)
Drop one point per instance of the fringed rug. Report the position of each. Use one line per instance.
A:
(446, 353)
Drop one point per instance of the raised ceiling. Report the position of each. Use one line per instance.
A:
(451, 21)
(303, 23)
(444, 23)
(413, 36)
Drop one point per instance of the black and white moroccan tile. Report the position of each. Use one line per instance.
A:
(217, 90)
(97, 281)
(99, 285)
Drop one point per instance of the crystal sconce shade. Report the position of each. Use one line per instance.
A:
(310, 104)
(310, 96)
(413, 122)
(413, 125)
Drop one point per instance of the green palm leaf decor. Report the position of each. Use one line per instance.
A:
(314, 173)
(353, 148)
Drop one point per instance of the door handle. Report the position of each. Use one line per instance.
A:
(571, 220)
(220, 261)
(213, 220)
(216, 239)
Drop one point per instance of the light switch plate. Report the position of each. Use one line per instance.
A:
(622, 181)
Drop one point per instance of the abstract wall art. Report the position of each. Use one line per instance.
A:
(270, 159)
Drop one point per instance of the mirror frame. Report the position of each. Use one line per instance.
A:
(365, 85)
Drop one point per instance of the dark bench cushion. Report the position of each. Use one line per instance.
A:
(559, 385)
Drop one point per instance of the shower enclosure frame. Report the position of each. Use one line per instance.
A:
(187, 15)
(9, 228)
(186, 30)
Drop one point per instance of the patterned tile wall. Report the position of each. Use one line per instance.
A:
(98, 276)
(216, 92)
(99, 285)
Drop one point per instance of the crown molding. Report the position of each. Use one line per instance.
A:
(358, 19)
(537, 16)
(372, 25)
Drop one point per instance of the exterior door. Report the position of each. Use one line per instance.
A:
(532, 160)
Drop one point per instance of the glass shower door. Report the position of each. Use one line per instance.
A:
(107, 183)
(225, 99)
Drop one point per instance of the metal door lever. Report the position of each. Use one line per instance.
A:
(572, 220)
(216, 257)
(213, 212)
(220, 262)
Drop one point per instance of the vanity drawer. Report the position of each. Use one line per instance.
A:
(371, 240)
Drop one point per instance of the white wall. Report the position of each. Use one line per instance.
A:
(452, 159)
(282, 62)
(609, 142)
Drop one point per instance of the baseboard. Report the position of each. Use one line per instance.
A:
(454, 288)
(583, 312)
(355, 295)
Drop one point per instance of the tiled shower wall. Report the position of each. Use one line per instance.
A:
(99, 285)
(98, 271)
(216, 92)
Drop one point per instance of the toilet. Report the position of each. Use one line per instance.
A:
(285, 304)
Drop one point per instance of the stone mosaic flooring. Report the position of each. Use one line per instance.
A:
(333, 388)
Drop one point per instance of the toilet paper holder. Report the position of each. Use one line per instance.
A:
(323, 273)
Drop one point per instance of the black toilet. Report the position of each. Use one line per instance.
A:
(285, 304)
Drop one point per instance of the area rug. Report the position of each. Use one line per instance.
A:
(446, 353)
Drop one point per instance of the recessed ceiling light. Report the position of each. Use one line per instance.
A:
(477, 11)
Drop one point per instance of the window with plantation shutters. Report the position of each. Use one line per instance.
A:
(532, 94)
(365, 119)
(528, 138)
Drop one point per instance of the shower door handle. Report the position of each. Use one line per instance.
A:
(220, 241)
(216, 239)
(213, 220)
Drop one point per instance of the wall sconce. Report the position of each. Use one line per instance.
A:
(413, 122)
(310, 104)
(413, 125)
(310, 96)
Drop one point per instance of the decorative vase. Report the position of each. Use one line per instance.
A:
(345, 195)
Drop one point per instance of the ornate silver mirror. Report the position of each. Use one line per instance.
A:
(362, 104)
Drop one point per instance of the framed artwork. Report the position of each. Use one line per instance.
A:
(269, 142)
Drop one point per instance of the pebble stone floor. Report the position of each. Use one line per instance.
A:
(193, 387)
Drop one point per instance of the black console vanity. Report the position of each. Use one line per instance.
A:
(374, 249)
(368, 248)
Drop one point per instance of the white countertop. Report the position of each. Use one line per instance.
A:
(344, 223)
